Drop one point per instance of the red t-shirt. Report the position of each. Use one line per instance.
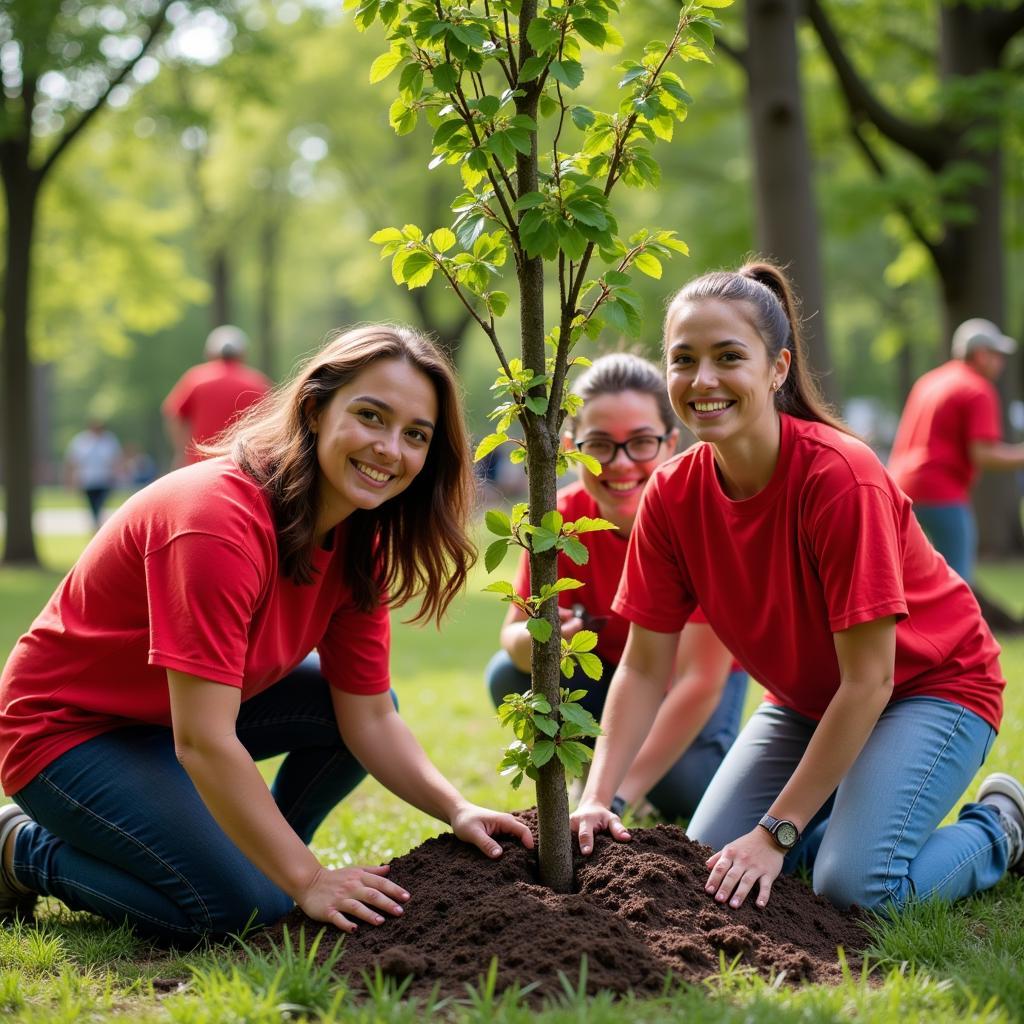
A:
(211, 395)
(183, 576)
(600, 575)
(947, 409)
(829, 543)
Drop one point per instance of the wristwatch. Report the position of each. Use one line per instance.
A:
(784, 832)
(618, 805)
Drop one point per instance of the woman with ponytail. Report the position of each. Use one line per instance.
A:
(884, 690)
(177, 653)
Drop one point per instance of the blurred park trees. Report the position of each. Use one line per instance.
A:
(240, 172)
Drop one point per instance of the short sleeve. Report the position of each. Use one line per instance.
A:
(202, 593)
(984, 419)
(655, 590)
(355, 652)
(856, 542)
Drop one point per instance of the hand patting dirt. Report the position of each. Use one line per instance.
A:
(640, 911)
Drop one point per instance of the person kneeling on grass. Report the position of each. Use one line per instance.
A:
(627, 424)
(884, 685)
(174, 656)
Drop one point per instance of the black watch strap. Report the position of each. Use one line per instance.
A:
(618, 805)
(784, 832)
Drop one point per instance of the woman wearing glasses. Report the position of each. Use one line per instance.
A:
(626, 423)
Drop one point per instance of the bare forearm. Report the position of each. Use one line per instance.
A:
(233, 790)
(839, 738)
(999, 456)
(517, 644)
(393, 756)
(629, 711)
(679, 720)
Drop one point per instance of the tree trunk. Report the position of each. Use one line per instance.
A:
(555, 846)
(787, 215)
(973, 271)
(270, 236)
(21, 189)
(220, 282)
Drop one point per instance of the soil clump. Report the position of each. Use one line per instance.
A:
(639, 912)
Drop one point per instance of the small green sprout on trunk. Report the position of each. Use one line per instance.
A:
(494, 80)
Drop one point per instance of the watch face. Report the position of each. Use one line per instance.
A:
(786, 834)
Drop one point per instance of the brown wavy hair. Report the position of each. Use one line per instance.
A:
(615, 372)
(415, 544)
(766, 291)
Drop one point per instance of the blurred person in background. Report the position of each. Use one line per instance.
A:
(92, 464)
(208, 397)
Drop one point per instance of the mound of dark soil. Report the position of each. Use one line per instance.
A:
(640, 911)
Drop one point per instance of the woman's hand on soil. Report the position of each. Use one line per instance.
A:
(478, 825)
(592, 817)
(362, 893)
(751, 860)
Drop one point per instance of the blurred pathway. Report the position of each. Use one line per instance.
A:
(59, 521)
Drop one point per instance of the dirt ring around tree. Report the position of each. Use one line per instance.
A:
(639, 913)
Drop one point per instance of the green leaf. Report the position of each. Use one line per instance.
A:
(498, 522)
(538, 405)
(584, 640)
(495, 554)
(385, 64)
(401, 117)
(542, 34)
(445, 77)
(586, 460)
(588, 524)
(591, 665)
(498, 302)
(532, 68)
(387, 235)
(593, 31)
(543, 751)
(443, 239)
(539, 629)
(500, 587)
(649, 264)
(582, 117)
(542, 540)
(568, 72)
(546, 725)
(411, 83)
(639, 71)
(571, 764)
(574, 713)
(488, 444)
(576, 550)
(528, 200)
(552, 521)
(705, 33)
(559, 587)
(418, 269)
(716, 3)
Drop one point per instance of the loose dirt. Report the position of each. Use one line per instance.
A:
(639, 912)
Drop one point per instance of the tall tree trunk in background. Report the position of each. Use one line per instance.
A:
(787, 217)
(968, 253)
(270, 237)
(220, 284)
(21, 190)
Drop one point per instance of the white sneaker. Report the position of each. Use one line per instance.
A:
(1004, 793)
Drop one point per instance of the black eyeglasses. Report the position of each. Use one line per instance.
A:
(638, 449)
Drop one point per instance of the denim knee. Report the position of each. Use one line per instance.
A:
(845, 888)
(251, 905)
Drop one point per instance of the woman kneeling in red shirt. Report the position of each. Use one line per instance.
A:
(884, 690)
(174, 655)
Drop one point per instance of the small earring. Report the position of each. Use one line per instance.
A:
(775, 385)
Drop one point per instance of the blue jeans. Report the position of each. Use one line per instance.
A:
(877, 842)
(679, 791)
(119, 829)
(951, 528)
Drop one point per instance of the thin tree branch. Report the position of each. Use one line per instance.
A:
(929, 143)
(153, 27)
(905, 210)
(737, 54)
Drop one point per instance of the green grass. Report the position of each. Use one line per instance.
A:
(935, 963)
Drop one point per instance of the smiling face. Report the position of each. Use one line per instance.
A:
(372, 438)
(617, 417)
(720, 375)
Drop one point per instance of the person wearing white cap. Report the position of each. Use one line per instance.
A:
(950, 429)
(210, 396)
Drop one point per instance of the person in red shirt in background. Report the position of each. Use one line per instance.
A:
(174, 656)
(950, 428)
(884, 690)
(210, 396)
(627, 424)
